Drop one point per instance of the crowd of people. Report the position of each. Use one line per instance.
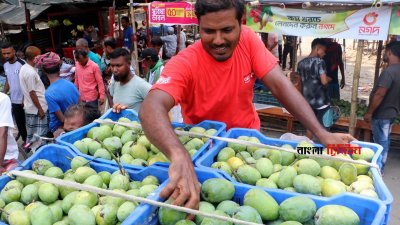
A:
(211, 80)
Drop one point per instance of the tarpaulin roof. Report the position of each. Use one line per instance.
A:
(15, 15)
(54, 2)
(330, 1)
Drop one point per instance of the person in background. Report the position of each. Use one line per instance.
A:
(129, 35)
(151, 59)
(109, 44)
(12, 68)
(83, 44)
(384, 104)
(67, 69)
(170, 42)
(314, 80)
(280, 40)
(8, 145)
(88, 80)
(290, 42)
(182, 40)
(158, 44)
(272, 44)
(79, 115)
(60, 94)
(128, 89)
(334, 61)
(35, 104)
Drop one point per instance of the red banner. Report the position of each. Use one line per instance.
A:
(179, 13)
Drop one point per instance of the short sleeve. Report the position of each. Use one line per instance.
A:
(385, 79)
(175, 78)
(321, 67)
(144, 89)
(30, 81)
(262, 60)
(52, 104)
(6, 119)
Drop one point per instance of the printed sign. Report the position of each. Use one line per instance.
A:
(180, 13)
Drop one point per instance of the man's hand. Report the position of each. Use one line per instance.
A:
(117, 108)
(368, 117)
(101, 101)
(58, 132)
(342, 83)
(335, 138)
(183, 185)
(41, 113)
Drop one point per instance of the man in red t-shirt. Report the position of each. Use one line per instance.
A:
(213, 79)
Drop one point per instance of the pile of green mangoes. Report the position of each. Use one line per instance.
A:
(258, 207)
(272, 168)
(346, 105)
(130, 146)
(26, 201)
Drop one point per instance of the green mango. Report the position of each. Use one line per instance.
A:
(81, 215)
(261, 201)
(41, 215)
(298, 208)
(216, 190)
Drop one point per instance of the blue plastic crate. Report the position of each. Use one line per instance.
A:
(209, 158)
(370, 211)
(68, 139)
(59, 155)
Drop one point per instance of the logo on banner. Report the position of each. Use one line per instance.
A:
(369, 20)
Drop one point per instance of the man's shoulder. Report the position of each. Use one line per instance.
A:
(4, 98)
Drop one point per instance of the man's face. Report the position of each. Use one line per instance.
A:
(220, 33)
(82, 60)
(108, 50)
(120, 68)
(8, 53)
(124, 24)
(74, 122)
(321, 51)
(149, 63)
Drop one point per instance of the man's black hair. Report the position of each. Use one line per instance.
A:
(7, 45)
(394, 47)
(156, 41)
(89, 113)
(125, 18)
(110, 41)
(318, 41)
(118, 52)
(202, 7)
(80, 52)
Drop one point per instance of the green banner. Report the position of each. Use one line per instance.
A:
(395, 21)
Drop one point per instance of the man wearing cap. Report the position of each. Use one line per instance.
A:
(170, 42)
(35, 104)
(128, 89)
(154, 63)
(88, 80)
(60, 94)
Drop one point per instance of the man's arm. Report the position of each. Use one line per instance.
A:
(100, 84)
(60, 116)
(183, 181)
(6, 87)
(3, 142)
(35, 101)
(294, 102)
(376, 100)
(325, 79)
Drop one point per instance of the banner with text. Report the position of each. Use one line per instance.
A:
(367, 24)
(179, 13)
(395, 21)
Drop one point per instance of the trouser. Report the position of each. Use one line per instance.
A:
(19, 117)
(334, 91)
(319, 113)
(37, 126)
(381, 129)
(287, 49)
(280, 53)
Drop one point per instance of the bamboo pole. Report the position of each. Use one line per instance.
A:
(135, 45)
(354, 94)
(378, 61)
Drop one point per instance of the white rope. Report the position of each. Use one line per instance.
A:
(246, 143)
(127, 197)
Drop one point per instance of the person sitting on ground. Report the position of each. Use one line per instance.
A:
(126, 89)
(8, 145)
(60, 94)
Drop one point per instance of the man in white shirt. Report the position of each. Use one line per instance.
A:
(182, 40)
(11, 69)
(273, 44)
(8, 145)
(35, 104)
(170, 42)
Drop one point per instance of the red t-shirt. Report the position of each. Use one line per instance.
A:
(223, 91)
